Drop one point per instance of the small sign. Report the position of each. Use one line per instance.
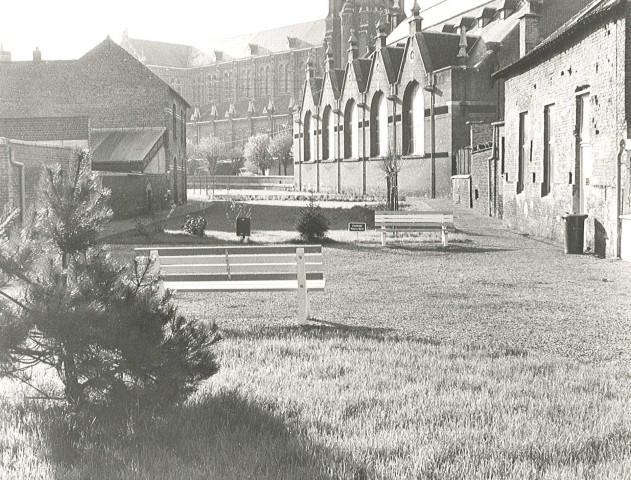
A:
(356, 227)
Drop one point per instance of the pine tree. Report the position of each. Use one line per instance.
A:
(104, 327)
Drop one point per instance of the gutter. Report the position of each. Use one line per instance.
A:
(22, 184)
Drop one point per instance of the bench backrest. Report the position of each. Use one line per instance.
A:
(237, 268)
(411, 219)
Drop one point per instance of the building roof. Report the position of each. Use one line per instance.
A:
(124, 146)
(107, 84)
(437, 13)
(165, 54)
(302, 35)
(591, 13)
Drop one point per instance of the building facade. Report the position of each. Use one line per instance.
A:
(568, 108)
(132, 121)
(252, 84)
(415, 94)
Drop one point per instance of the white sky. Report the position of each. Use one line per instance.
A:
(66, 29)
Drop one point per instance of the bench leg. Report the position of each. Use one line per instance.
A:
(383, 237)
(445, 241)
(303, 294)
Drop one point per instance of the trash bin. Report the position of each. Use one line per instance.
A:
(574, 233)
(243, 227)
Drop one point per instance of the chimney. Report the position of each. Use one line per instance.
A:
(529, 35)
(309, 68)
(37, 55)
(416, 21)
(353, 50)
(462, 52)
(382, 35)
(4, 55)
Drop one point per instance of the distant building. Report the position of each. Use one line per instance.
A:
(132, 121)
(415, 94)
(567, 125)
(252, 83)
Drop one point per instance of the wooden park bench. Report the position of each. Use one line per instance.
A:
(404, 222)
(241, 269)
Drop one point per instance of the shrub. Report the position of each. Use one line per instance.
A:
(105, 328)
(312, 223)
(195, 225)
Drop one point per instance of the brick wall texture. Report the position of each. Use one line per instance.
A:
(45, 129)
(35, 159)
(594, 62)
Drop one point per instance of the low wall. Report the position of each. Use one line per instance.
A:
(356, 176)
(135, 194)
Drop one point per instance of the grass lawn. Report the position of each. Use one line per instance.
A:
(499, 358)
(338, 403)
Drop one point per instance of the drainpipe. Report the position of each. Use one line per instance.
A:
(364, 144)
(431, 88)
(619, 209)
(22, 185)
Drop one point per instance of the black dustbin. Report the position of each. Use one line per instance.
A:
(243, 227)
(574, 233)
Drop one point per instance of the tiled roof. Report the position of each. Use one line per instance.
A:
(438, 13)
(361, 68)
(165, 54)
(302, 35)
(107, 84)
(592, 12)
(124, 146)
(443, 47)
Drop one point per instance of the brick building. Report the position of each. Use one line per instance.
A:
(415, 94)
(568, 108)
(132, 120)
(251, 84)
(20, 166)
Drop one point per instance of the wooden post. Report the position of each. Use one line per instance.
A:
(303, 294)
(154, 257)
(383, 236)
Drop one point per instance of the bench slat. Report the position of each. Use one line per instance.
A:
(237, 259)
(245, 277)
(239, 268)
(240, 286)
(237, 250)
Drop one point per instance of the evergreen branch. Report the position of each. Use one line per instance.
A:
(14, 300)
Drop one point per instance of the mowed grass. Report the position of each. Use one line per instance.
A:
(341, 403)
(498, 358)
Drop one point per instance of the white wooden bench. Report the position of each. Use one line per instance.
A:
(403, 222)
(240, 269)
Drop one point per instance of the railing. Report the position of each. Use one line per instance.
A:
(233, 182)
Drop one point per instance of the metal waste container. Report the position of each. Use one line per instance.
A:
(574, 233)
(243, 227)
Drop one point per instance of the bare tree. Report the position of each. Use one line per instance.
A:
(391, 164)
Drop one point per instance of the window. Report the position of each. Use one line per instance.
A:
(183, 120)
(287, 81)
(523, 151)
(281, 76)
(306, 128)
(174, 111)
(266, 81)
(413, 120)
(326, 133)
(548, 150)
(351, 131)
(379, 126)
